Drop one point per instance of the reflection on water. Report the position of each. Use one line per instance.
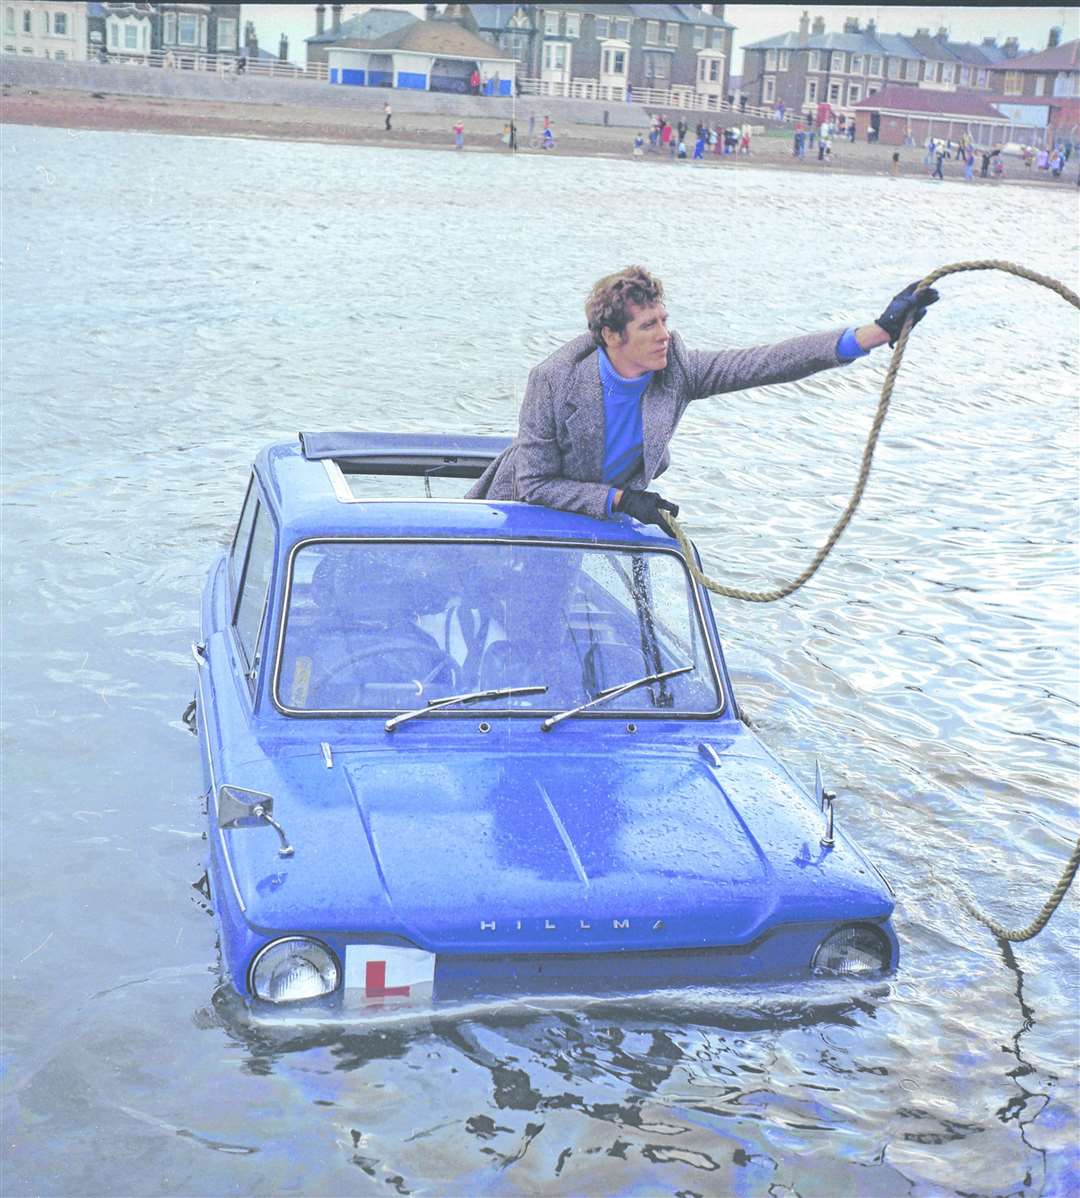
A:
(173, 304)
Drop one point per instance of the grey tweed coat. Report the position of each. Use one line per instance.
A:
(557, 458)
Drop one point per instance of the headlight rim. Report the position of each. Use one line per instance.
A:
(859, 925)
(292, 938)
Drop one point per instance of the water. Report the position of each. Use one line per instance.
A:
(170, 305)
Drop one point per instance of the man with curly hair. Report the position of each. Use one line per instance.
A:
(598, 414)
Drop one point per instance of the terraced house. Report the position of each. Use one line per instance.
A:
(602, 50)
(808, 67)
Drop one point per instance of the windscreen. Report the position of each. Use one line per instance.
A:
(377, 626)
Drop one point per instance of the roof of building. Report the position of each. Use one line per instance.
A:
(682, 14)
(922, 100)
(1065, 57)
(438, 37)
(918, 45)
(376, 22)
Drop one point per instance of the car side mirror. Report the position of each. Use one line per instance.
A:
(236, 806)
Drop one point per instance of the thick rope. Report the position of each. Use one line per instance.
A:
(781, 592)
(785, 589)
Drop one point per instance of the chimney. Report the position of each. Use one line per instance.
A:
(804, 29)
(818, 26)
(335, 18)
(922, 32)
(1055, 38)
(871, 27)
(989, 42)
(851, 25)
(1011, 47)
(942, 34)
(283, 49)
(251, 40)
(320, 19)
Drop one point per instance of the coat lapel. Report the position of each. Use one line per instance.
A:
(582, 415)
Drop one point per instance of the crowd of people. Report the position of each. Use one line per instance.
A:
(673, 139)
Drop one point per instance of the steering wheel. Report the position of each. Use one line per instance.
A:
(430, 656)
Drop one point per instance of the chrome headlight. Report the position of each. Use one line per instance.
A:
(292, 970)
(855, 948)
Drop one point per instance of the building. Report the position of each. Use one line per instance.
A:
(808, 67)
(46, 30)
(678, 48)
(1044, 89)
(136, 30)
(368, 26)
(902, 114)
(440, 54)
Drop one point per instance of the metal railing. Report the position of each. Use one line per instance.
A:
(213, 64)
(653, 97)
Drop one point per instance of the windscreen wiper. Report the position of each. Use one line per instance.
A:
(610, 693)
(449, 700)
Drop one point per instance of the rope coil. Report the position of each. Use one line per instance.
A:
(788, 588)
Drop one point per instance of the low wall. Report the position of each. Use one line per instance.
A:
(205, 85)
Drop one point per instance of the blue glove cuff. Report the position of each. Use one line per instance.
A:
(848, 349)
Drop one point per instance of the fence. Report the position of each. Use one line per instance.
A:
(214, 64)
(653, 97)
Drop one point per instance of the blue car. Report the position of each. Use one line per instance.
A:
(460, 749)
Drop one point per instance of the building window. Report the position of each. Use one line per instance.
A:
(188, 29)
(785, 60)
(716, 67)
(872, 90)
(811, 91)
(699, 38)
(614, 62)
(652, 33)
(911, 70)
(26, 18)
(1040, 85)
(573, 24)
(9, 20)
(60, 25)
(894, 68)
(946, 72)
(875, 65)
(837, 63)
(45, 24)
(551, 23)
(834, 93)
(131, 37)
(112, 33)
(61, 55)
(602, 27)
(555, 56)
(226, 33)
(716, 39)
(813, 62)
(770, 60)
(856, 64)
(1014, 83)
(622, 29)
(854, 93)
(671, 34)
(984, 79)
(768, 89)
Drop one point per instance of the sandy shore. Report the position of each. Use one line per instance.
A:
(100, 110)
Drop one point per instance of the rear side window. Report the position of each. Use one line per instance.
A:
(242, 537)
(257, 566)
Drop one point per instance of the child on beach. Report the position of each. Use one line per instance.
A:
(459, 135)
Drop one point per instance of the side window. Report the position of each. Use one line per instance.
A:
(252, 599)
(242, 536)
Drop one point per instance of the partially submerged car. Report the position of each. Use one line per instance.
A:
(457, 748)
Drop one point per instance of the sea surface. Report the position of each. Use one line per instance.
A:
(172, 304)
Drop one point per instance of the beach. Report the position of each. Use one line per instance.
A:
(75, 109)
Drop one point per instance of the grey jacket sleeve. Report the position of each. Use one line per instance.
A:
(539, 456)
(735, 369)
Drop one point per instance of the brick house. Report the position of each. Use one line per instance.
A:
(1044, 87)
(603, 49)
(128, 31)
(899, 115)
(46, 30)
(808, 67)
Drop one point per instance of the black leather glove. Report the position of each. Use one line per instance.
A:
(892, 319)
(646, 507)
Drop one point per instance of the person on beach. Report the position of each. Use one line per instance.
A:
(939, 165)
(599, 413)
(459, 135)
(387, 113)
(639, 143)
(665, 133)
(894, 166)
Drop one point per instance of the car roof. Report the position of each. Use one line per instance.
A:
(304, 484)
